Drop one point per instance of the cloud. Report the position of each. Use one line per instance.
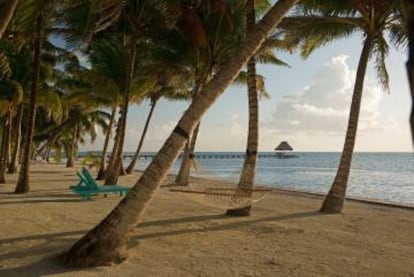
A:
(156, 136)
(323, 106)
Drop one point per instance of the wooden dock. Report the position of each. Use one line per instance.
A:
(223, 156)
(212, 156)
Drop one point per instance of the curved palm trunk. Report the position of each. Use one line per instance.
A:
(188, 159)
(113, 173)
(334, 201)
(6, 14)
(106, 243)
(131, 166)
(246, 182)
(18, 137)
(409, 23)
(102, 165)
(5, 142)
(23, 182)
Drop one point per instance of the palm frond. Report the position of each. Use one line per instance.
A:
(380, 50)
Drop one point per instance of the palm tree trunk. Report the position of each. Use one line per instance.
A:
(131, 166)
(23, 182)
(113, 173)
(188, 155)
(18, 137)
(188, 159)
(106, 243)
(409, 23)
(114, 146)
(5, 147)
(6, 14)
(122, 171)
(246, 182)
(334, 201)
(101, 171)
(70, 162)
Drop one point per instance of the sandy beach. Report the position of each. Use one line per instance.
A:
(285, 236)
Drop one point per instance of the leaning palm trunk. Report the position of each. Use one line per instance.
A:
(131, 166)
(409, 23)
(113, 173)
(5, 147)
(334, 201)
(18, 137)
(23, 183)
(102, 165)
(188, 159)
(6, 14)
(106, 243)
(246, 182)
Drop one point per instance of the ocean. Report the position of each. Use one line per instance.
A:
(374, 176)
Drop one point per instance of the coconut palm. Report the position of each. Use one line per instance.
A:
(215, 28)
(249, 167)
(11, 96)
(106, 243)
(172, 91)
(21, 64)
(40, 18)
(325, 21)
(408, 12)
(7, 9)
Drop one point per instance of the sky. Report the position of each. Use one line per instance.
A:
(308, 107)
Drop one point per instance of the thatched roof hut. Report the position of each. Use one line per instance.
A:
(284, 146)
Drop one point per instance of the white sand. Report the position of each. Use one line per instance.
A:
(285, 236)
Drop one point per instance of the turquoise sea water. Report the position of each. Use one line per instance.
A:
(376, 176)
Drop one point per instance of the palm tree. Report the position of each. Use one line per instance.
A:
(10, 98)
(408, 12)
(214, 28)
(113, 171)
(106, 243)
(325, 21)
(7, 9)
(102, 163)
(247, 176)
(167, 92)
(22, 185)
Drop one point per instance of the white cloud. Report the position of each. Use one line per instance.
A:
(324, 105)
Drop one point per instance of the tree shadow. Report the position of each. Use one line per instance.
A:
(50, 265)
(43, 236)
(222, 227)
(37, 201)
(50, 243)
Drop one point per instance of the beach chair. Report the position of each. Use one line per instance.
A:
(82, 182)
(88, 186)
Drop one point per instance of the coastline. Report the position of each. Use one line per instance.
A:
(285, 236)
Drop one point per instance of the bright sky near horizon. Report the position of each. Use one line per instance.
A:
(309, 107)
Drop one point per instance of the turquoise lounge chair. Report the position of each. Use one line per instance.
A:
(88, 187)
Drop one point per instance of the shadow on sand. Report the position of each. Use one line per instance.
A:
(55, 243)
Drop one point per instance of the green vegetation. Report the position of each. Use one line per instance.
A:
(50, 102)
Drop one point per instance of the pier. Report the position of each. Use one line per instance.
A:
(216, 156)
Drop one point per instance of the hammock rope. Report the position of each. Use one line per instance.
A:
(224, 196)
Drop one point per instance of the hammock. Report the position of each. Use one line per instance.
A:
(222, 195)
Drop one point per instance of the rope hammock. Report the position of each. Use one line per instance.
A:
(222, 195)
